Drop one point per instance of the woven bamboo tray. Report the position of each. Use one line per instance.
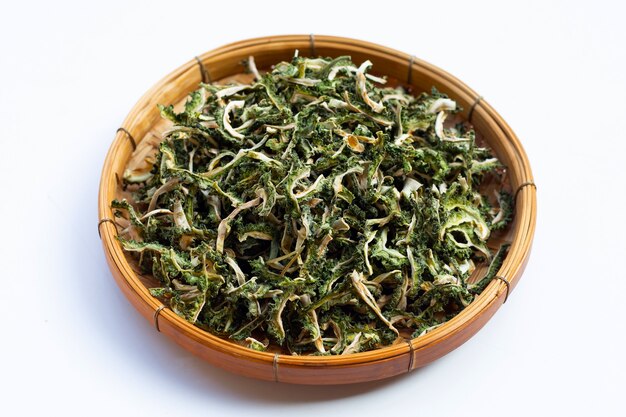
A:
(143, 124)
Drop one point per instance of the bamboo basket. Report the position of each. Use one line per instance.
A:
(143, 124)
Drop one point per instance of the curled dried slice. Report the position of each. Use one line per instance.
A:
(314, 209)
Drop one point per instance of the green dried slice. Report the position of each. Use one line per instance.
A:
(315, 209)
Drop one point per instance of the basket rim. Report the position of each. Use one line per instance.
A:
(494, 292)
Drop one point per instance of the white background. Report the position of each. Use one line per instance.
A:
(70, 72)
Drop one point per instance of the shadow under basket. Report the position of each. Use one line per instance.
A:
(142, 124)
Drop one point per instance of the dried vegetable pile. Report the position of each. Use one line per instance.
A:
(315, 209)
